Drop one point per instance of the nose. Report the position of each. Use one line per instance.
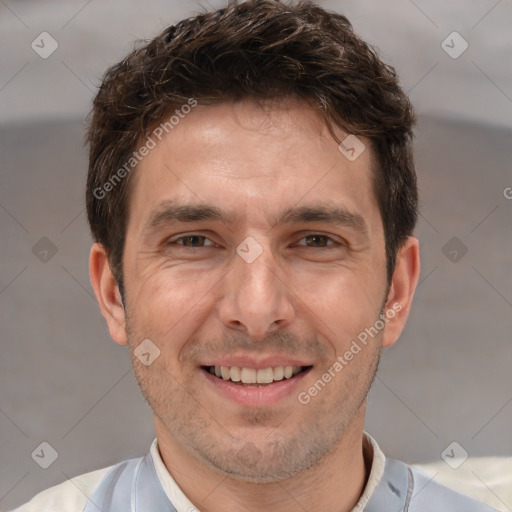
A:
(256, 299)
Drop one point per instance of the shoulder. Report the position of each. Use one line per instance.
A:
(395, 485)
(488, 479)
(69, 496)
(428, 494)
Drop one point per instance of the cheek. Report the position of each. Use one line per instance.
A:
(170, 304)
(340, 302)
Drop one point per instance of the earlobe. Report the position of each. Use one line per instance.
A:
(401, 291)
(107, 293)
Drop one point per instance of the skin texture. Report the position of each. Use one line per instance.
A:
(305, 298)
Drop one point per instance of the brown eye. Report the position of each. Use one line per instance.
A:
(192, 241)
(317, 241)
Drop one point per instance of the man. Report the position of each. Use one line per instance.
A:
(252, 197)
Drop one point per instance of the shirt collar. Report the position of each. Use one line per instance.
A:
(181, 503)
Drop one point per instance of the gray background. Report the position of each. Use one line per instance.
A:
(65, 382)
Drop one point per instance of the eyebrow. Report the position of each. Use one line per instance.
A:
(337, 216)
(167, 212)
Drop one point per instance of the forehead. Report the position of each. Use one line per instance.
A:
(253, 160)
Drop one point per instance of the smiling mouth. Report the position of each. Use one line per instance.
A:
(252, 377)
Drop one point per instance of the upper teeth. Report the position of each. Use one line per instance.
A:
(254, 376)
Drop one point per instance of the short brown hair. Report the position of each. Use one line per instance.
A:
(258, 49)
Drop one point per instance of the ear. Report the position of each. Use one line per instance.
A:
(107, 293)
(401, 290)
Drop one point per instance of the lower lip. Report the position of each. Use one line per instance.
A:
(269, 394)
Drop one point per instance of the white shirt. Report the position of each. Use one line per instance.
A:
(72, 495)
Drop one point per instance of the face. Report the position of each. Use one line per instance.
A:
(254, 249)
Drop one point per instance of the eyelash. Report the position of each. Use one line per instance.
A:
(332, 244)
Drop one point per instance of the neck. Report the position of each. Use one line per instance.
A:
(333, 485)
